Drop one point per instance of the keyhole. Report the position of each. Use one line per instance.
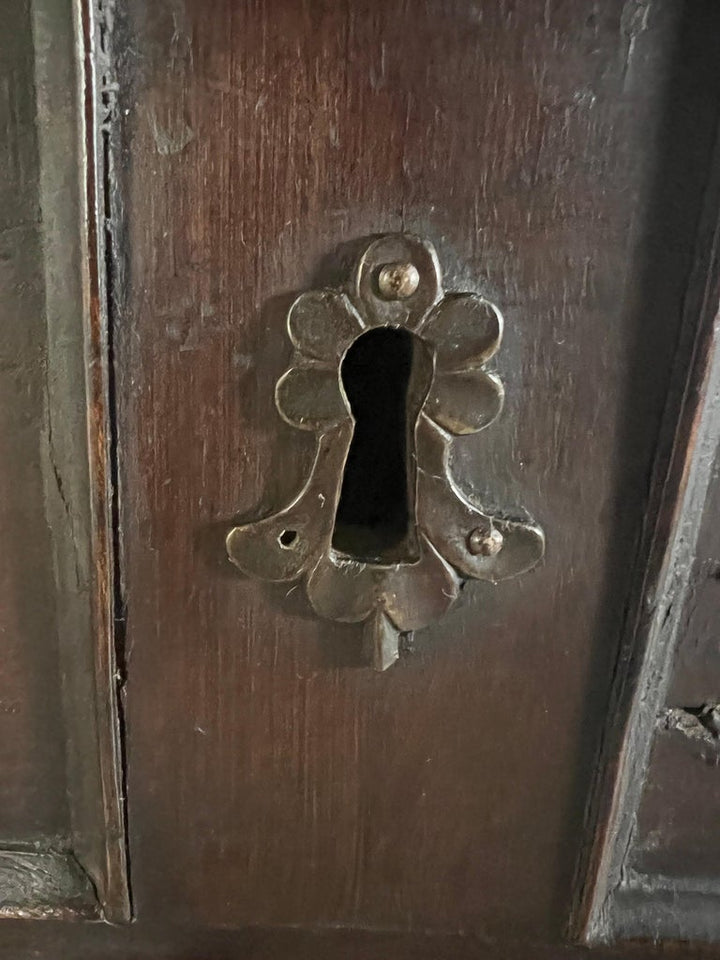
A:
(386, 375)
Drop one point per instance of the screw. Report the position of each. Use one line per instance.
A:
(398, 281)
(487, 543)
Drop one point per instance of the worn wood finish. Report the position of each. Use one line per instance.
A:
(32, 791)
(41, 886)
(558, 152)
(154, 941)
(670, 884)
(95, 114)
(656, 625)
(61, 836)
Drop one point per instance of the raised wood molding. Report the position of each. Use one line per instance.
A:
(84, 872)
(614, 902)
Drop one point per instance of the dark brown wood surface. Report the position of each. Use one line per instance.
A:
(556, 155)
(636, 815)
(151, 941)
(671, 865)
(61, 830)
(32, 752)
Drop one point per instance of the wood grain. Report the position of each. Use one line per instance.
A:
(156, 941)
(560, 156)
(671, 884)
(272, 780)
(60, 846)
(659, 603)
(32, 789)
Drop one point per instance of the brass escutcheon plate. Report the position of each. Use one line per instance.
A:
(396, 285)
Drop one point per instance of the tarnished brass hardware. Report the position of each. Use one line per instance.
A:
(398, 281)
(386, 373)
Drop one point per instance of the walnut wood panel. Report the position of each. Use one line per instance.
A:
(558, 152)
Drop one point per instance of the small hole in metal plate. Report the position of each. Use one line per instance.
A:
(287, 538)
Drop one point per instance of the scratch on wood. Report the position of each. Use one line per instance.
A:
(633, 22)
(171, 137)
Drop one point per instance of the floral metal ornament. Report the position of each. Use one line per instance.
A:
(397, 582)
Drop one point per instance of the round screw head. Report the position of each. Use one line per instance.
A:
(486, 543)
(398, 281)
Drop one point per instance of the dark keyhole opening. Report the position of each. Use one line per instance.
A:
(386, 375)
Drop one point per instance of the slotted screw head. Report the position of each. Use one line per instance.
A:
(398, 281)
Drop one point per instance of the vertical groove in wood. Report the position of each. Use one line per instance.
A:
(61, 829)
(98, 88)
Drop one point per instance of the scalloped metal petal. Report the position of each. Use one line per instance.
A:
(420, 593)
(339, 588)
(448, 518)
(464, 401)
(310, 397)
(397, 248)
(411, 594)
(322, 324)
(267, 548)
(464, 329)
